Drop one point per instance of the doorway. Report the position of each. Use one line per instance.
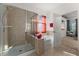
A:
(69, 42)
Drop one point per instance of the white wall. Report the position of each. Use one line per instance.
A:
(63, 27)
(70, 8)
(50, 30)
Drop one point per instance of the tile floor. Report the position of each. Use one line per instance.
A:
(68, 42)
(16, 50)
(70, 45)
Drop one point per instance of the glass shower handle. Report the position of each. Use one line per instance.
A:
(4, 27)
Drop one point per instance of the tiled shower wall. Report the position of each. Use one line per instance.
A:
(16, 18)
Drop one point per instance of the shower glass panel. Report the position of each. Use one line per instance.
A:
(30, 32)
(3, 42)
(13, 38)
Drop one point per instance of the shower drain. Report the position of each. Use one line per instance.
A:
(20, 50)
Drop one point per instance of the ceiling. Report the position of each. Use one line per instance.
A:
(41, 6)
(71, 15)
(60, 8)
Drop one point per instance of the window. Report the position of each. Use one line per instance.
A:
(41, 24)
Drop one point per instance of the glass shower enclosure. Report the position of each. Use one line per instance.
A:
(13, 37)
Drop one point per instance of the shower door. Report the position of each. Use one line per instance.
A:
(3, 42)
